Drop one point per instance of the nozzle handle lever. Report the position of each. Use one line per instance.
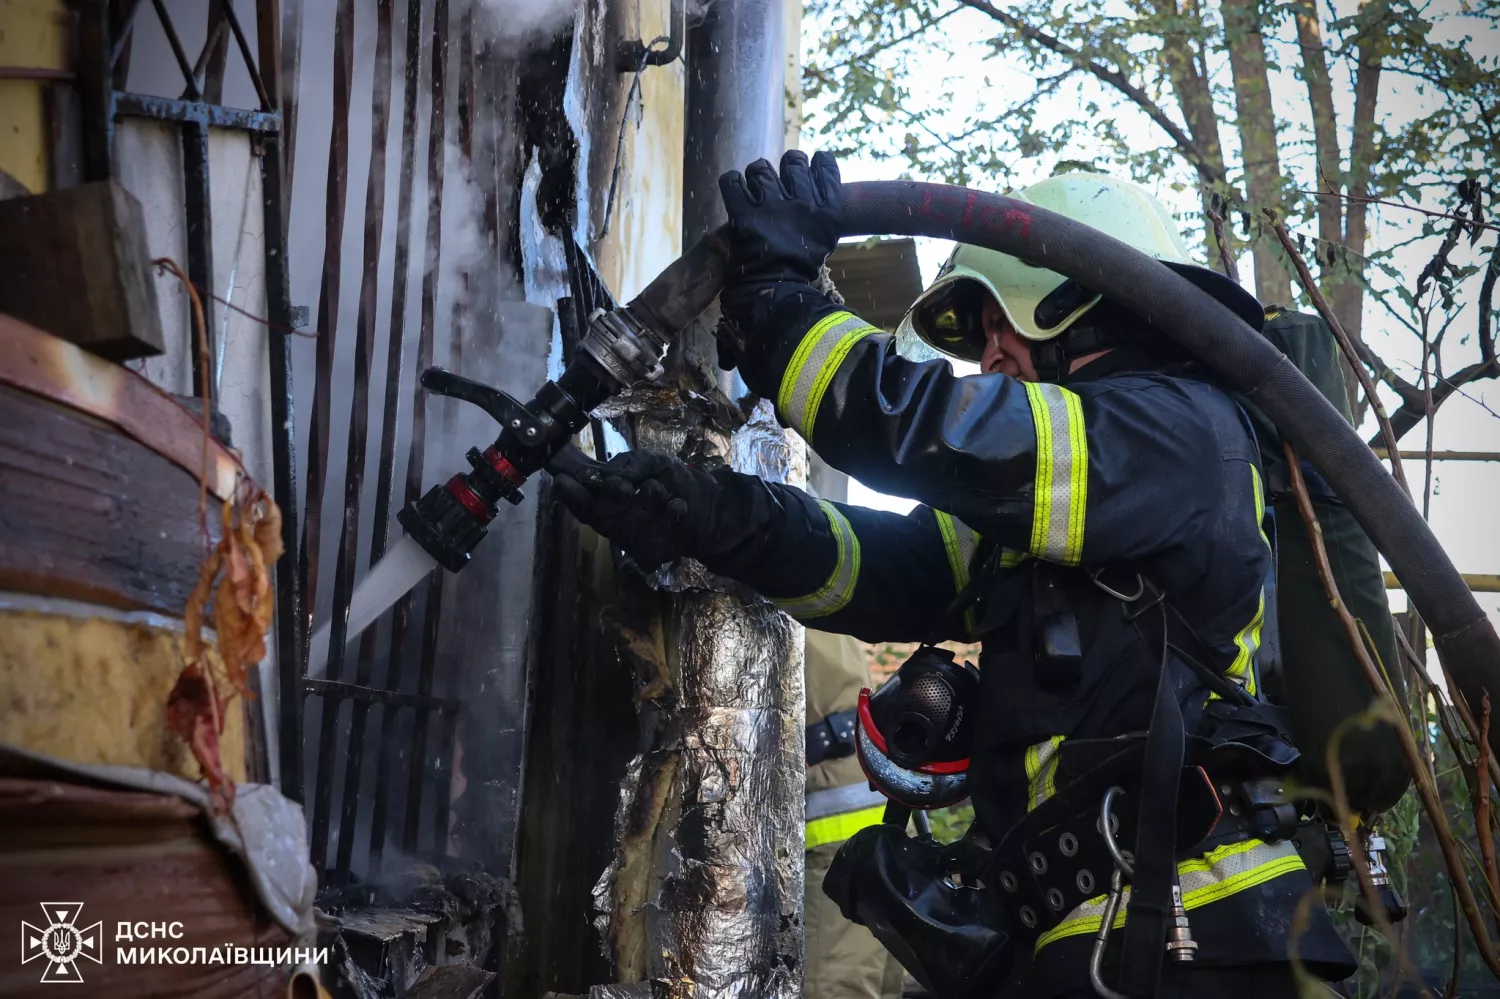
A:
(501, 407)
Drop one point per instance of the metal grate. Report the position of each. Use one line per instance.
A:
(106, 33)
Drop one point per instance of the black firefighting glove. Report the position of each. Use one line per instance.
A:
(658, 509)
(781, 230)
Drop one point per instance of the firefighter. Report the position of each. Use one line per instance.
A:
(842, 959)
(1093, 513)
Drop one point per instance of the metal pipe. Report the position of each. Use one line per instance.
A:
(379, 695)
(1477, 582)
(200, 251)
(244, 46)
(728, 911)
(430, 625)
(1406, 455)
(208, 115)
(289, 640)
(192, 92)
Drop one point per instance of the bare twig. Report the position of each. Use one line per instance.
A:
(1361, 199)
(1321, 304)
(863, 58)
(1455, 700)
(1482, 811)
(1217, 221)
(1116, 79)
(1451, 992)
(1357, 859)
(1426, 791)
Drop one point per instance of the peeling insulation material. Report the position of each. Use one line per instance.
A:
(732, 912)
(94, 690)
(707, 881)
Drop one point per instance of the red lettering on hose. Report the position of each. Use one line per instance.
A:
(1020, 217)
(969, 203)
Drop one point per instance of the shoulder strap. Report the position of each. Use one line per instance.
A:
(1150, 908)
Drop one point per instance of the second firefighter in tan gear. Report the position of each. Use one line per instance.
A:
(843, 960)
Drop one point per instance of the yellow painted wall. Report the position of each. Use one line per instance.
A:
(646, 232)
(33, 34)
(94, 690)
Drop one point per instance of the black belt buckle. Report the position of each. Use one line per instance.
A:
(1262, 806)
(832, 738)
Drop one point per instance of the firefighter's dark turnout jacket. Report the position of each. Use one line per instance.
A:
(1131, 466)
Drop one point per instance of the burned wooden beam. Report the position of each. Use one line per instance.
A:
(76, 264)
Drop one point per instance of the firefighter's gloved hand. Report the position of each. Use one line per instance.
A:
(659, 509)
(782, 227)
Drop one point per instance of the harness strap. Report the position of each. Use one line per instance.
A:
(1150, 908)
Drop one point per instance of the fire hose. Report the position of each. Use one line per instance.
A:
(625, 346)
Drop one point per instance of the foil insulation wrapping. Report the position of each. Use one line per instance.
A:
(722, 787)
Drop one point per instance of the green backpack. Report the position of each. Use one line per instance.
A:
(1318, 680)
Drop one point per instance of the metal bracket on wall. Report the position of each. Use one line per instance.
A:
(635, 54)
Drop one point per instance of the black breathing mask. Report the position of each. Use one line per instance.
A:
(915, 732)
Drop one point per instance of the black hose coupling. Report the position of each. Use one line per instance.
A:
(452, 518)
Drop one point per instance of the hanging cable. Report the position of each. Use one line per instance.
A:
(630, 99)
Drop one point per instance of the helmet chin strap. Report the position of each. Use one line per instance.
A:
(1103, 327)
(1052, 357)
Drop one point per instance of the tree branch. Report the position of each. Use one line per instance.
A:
(1486, 295)
(1413, 412)
(885, 46)
(1114, 78)
(1426, 790)
(1321, 304)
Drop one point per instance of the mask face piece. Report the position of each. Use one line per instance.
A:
(914, 733)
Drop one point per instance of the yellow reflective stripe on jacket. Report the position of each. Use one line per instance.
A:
(1247, 642)
(813, 366)
(1041, 771)
(959, 541)
(1062, 473)
(837, 828)
(835, 594)
(1216, 875)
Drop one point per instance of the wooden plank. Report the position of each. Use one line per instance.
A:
(90, 514)
(130, 857)
(57, 370)
(878, 279)
(1476, 581)
(76, 264)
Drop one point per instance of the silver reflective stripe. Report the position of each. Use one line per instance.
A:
(813, 366)
(1062, 473)
(959, 541)
(838, 800)
(835, 594)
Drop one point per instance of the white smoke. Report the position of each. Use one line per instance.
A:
(523, 20)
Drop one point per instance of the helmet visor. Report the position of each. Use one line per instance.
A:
(951, 319)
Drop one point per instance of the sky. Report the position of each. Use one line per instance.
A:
(1462, 504)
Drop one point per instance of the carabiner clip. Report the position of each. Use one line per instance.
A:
(1123, 869)
(1180, 943)
(1101, 939)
